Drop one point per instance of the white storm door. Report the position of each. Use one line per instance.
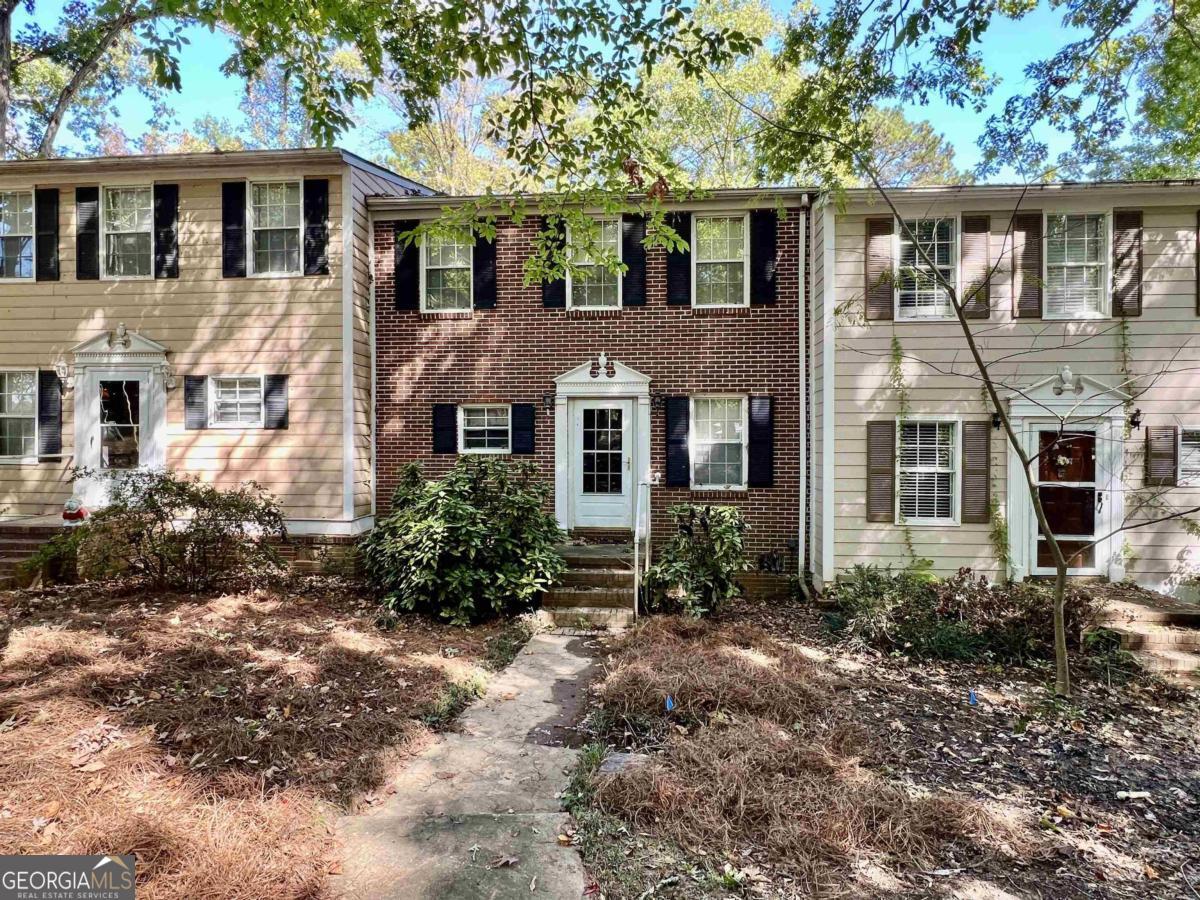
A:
(118, 427)
(602, 463)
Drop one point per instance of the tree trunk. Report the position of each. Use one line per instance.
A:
(6, 11)
(1062, 669)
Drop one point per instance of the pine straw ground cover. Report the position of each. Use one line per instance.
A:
(792, 767)
(217, 738)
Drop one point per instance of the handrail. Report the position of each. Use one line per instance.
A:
(640, 533)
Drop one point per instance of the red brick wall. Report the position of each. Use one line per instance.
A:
(512, 353)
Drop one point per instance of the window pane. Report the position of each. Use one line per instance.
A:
(16, 257)
(120, 431)
(447, 289)
(920, 291)
(128, 254)
(277, 250)
(237, 401)
(447, 251)
(720, 284)
(485, 428)
(275, 204)
(16, 437)
(594, 286)
(927, 478)
(718, 441)
(17, 393)
(1189, 454)
(1076, 248)
(720, 238)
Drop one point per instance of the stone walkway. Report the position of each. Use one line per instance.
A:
(477, 815)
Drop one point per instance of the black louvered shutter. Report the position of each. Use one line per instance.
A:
(976, 263)
(522, 428)
(233, 229)
(554, 293)
(1162, 464)
(49, 414)
(483, 273)
(633, 254)
(445, 428)
(764, 228)
(275, 401)
(679, 263)
(976, 472)
(195, 402)
(1027, 266)
(406, 267)
(881, 470)
(1127, 262)
(166, 231)
(879, 270)
(316, 226)
(46, 243)
(87, 233)
(678, 463)
(760, 470)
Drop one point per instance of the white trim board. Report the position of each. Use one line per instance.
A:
(347, 188)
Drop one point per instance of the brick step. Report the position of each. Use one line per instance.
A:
(1145, 636)
(21, 543)
(1169, 662)
(589, 617)
(597, 556)
(570, 598)
(616, 578)
(1117, 615)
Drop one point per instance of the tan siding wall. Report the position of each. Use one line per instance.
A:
(1166, 336)
(210, 325)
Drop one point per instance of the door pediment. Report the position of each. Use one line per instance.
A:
(119, 347)
(1067, 395)
(602, 377)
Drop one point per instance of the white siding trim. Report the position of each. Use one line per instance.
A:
(372, 422)
(334, 527)
(828, 398)
(802, 386)
(347, 188)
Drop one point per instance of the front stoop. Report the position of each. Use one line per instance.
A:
(596, 590)
(1163, 637)
(17, 544)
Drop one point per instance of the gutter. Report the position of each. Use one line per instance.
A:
(744, 197)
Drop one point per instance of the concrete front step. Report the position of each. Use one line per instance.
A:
(597, 556)
(574, 597)
(587, 617)
(1118, 614)
(591, 578)
(1145, 636)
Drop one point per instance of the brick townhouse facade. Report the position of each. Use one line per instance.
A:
(606, 385)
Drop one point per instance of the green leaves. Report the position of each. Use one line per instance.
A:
(697, 569)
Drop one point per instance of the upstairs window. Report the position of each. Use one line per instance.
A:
(934, 252)
(1189, 456)
(927, 475)
(446, 272)
(1076, 259)
(718, 436)
(128, 232)
(275, 224)
(237, 401)
(16, 234)
(485, 429)
(18, 414)
(595, 286)
(720, 249)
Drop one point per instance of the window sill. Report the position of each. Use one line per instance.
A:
(582, 312)
(485, 452)
(275, 276)
(719, 310)
(928, 523)
(446, 314)
(1099, 317)
(719, 493)
(917, 320)
(115, 278)
(18, 460)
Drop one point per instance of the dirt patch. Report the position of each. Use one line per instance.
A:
(187, 729)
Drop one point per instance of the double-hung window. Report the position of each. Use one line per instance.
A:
(18, 414)
(128, 232)
(928, 262)
(275, 226)
(16, 234)
(927, 472)
(1076, 262)
(591, 284)
(1189, 456)
(720, 250)
(718, 437)
(485, 428)
(237, 401)
(446, 272)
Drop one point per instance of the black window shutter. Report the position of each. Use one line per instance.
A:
(233, 229)
(483, 273)
(166, 231)
(275, 401)
(316, 226)
(633, 254)
(195, 402)
(407, 267)
(46, 243)
(445, 428)
(679, 263)
(761, 463)
(49, 414)
(522, 427)
(554, 293)
(678, 463)
(764, 226)
(87, 233)
(1162, 463)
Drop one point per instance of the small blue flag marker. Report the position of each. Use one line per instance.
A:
(670, 703)
(971, 698)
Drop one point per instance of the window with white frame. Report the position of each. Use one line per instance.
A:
(593, 285)
(128, 232)
(446, 273)
(275, 226)
(931, 251)
(927, 472)
(718, 438)
(237, 401)
(1189, 456)
(16, 234)
(485, 428)
(1076, 260)
(719, 254)
(18, 414)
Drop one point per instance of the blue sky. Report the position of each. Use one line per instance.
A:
(1009, 47)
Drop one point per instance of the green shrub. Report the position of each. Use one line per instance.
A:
(472, 545)
(172, 530)
(963, 617)
(696, 571)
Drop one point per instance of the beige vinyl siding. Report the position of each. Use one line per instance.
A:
(210, 325)
(1167, 334)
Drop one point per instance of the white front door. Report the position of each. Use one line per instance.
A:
(602, 441)
(118, 426)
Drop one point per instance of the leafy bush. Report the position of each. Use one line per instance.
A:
(963, 617)
(696, 571)
(173, 530)
(472, 545)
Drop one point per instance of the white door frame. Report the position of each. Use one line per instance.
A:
(603, 379)
(1079, 401)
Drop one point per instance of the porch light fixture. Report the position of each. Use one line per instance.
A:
(996, 422)
(1135, 418)
(658, 400)
(65, 378)
(548, 401)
